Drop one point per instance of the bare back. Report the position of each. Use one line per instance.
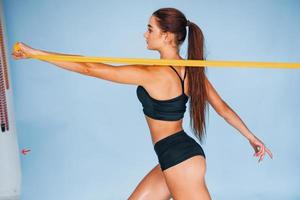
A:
(165, 85)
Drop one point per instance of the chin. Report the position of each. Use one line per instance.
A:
(150, 48)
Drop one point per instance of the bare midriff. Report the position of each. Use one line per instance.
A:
(160, 129)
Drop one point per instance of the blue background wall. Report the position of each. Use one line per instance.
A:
(88, 137)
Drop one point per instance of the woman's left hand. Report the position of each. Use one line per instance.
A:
(259, 148)
(23, 51)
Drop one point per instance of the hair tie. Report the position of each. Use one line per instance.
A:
(188, 23)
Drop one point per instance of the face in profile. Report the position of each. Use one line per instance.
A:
(154, 36)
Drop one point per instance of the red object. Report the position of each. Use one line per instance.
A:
(24, 151)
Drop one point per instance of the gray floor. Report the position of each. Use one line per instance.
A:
(9, 197)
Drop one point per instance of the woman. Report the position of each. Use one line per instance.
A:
(163, 93)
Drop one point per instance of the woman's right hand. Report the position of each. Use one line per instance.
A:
(23, 51)
(259, 148)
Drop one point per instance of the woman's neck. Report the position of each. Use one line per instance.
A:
(170, 55)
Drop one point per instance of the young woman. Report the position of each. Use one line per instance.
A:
(163, 92)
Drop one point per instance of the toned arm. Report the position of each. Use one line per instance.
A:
(223, 109)
(125, 74)
(71, 66)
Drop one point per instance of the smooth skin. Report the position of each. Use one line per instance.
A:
(185, 180)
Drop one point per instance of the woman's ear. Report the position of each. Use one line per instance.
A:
(167, 37)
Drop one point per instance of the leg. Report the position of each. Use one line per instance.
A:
(153, 186)
(186, 180)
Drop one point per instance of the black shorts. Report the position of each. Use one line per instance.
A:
(176, 148)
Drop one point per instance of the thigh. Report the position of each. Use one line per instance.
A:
(186, 180)
(152, 186)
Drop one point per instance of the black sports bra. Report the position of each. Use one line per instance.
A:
(167, 110)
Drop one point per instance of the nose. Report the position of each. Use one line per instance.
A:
(144, 35)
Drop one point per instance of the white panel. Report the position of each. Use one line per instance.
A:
(10, 171)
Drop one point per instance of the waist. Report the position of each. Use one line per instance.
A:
(163, 133)
(160, 128)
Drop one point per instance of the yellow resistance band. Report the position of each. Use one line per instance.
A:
(167, 62)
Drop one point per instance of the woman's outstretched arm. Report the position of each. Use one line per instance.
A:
(126, 74)
(234, 120)
(78, 67)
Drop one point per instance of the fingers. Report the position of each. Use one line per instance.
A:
(18, 55)
(18, 52)
(14, 56)
(261, 153)
(21, 51)
(259, 149)
(261, 158)
(269, 152)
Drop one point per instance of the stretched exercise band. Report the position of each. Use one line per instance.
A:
(167, 62)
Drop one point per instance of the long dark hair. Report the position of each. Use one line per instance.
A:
(173, 20)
